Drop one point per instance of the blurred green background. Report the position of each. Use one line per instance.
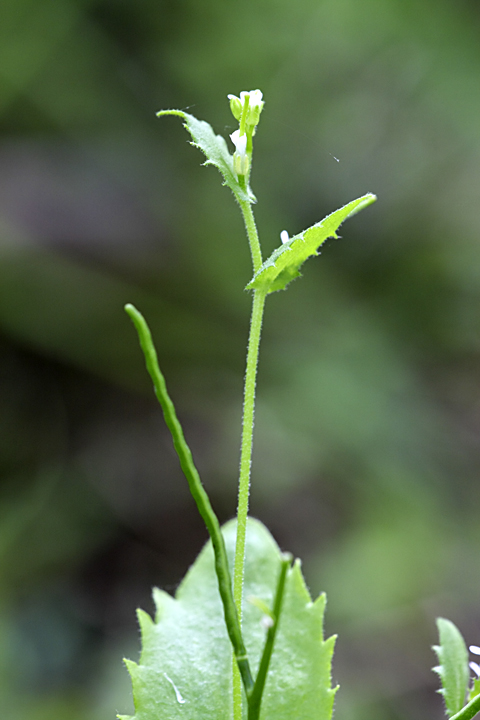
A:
(367, 456)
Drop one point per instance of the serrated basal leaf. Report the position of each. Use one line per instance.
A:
(284, 263)
(185, 666)
(214, 147)
(453, 666)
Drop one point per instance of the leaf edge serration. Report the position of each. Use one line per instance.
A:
(452, 671)
(283, 264)
(315, 694)
(217, 155)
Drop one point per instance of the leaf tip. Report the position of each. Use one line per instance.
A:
(180, 113)
(161, 600)
(329, 644)
(298, 581)
(321, 600)
(364, 202)
(131, 666)
(145, 622)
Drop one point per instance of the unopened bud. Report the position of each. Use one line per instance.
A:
(255, 106)
(236, 106)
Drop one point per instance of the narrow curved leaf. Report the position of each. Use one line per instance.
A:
(283, 264)
(185, 667)
(453, 666)
(216, 150)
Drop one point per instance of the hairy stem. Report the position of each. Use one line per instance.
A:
(246, 447)
(199, 495)
(247, 437)
(244, 481)
(252, 234)
(248, 409)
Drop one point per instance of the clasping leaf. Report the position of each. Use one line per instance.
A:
(283, 264)
(216, 150)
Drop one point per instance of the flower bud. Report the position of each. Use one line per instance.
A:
(236, 106)
(241, 162)
(255, 106)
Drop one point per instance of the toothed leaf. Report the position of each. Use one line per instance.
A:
(216, 150)
(475, 689)
(453, 666)
(185, 667)
(284, 263)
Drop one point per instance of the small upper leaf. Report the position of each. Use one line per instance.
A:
(453, 666)
(216, 150)
(283, 264)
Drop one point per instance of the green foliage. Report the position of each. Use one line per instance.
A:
(475, 689)
(292, 672)
(185, 666)
(254, 689)
(216, 150)
(390, 88)
(197, 490)
(283, 264)
(453, 666)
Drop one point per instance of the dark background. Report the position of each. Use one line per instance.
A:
(367, 453)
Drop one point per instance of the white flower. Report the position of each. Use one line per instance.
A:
(255, 98)
(255, 106)
(240, 157)
(240, 142)
(473, 665)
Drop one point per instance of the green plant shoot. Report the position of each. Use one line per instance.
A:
(208, 653)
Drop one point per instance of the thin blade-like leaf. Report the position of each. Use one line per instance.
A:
(216, 150)
(284, 263)
(198, 493)
(453, 666)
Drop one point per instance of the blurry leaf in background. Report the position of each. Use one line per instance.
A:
(453, 668)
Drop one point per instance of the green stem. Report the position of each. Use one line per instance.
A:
(245, 465)
(247, 436)
(255, 699)
(199, 495)
(248, 409)
(246, 447)
(243, 119)
(252, 234)
(469, 711)
(236, 691)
